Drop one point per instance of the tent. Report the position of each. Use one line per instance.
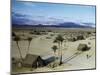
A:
(33, 61)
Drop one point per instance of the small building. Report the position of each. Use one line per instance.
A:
(33, 61)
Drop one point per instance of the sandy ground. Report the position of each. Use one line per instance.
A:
(42, 46)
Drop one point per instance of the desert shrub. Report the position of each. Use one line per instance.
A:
(35, 32)
(88, 32)
(13, 60)
(19, 64)
(49, 31)
(80, 37)
(72, 39)
(39, 32)
(31, 32)
(89, 43)
(53, 65)
(13, 34)
(43, 31)
(94, 32)
(48, 37)
(83, 47)
(51, 34)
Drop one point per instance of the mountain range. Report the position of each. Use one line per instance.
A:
(62, 25)
(21, 20)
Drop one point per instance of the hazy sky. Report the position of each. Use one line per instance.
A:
(65, 12)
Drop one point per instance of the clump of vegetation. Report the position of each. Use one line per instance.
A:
(80, 37)
(59, 39)
(43, 31)
(37, 33)
(76, 38)
(16, 62)
(51, 34)
(94, 32)
(13, 60)
(13, 34)
(73, 39)
(89, 43)
(88, 32)
(17, 39)
(31, 32)
(29, 40)
(48, 37)
(83, 47)
(53, 65)
(54, 48)
(49, 31)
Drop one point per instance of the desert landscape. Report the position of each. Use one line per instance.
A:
(76, 51)
(52, 37)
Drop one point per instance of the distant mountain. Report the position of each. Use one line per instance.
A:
(61, 25)
(73, 25)
(23, 20)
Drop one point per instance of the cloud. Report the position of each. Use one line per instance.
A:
(89, 24)
(19, 15)
(56, 19)
(30, 4)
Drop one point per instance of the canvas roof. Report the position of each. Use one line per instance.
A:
(29, 59)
